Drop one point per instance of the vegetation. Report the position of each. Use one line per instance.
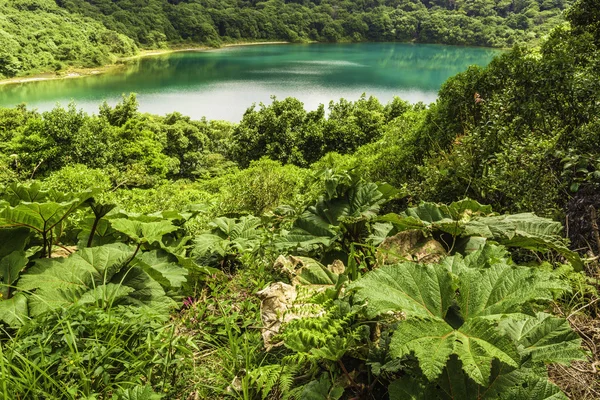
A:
(375, 251)
(73, 34)
(38, 36)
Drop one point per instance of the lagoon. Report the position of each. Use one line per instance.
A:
(223, 83)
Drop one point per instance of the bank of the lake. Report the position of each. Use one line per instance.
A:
(222, 83)
(74, 72)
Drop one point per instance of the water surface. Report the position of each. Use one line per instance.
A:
(222, 84)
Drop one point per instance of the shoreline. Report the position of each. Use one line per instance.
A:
(121, 63)
(72, 72)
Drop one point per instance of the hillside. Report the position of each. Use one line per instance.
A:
(377, 251)
(38, 36)
(482, 23)
(43, 36)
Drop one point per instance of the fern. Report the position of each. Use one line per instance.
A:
(267, 378)
(327, 336)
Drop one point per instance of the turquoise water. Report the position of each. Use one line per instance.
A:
(222, 84)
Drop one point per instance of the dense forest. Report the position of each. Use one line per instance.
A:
(38, 36)
(41, 35)
(358, 251)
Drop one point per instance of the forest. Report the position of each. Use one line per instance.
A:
(358, 251)
(44, 36)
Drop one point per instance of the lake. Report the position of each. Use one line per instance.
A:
(223, 83)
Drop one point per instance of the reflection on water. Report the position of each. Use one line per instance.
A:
(221, 84)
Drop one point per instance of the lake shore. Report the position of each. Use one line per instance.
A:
(71, 73)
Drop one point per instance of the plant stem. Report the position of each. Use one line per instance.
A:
(343, 367)
(93, 231)
(595, 230)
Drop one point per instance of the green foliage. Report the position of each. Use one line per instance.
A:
(100, 275)
(261, 187)
(68, 39)
(78, 178)
(584, 17)
(476, 223)
(88, 351)
(228, 239)
(340, 216)
(143, 232)
(484, 23)
(284, 131)
(516, 133)
(132, 149)
(86, 287)
(484, 296)
(467, 324)
(42, 212)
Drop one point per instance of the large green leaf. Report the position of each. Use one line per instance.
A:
(229, 236)
(242, 228)
(147, 292)
(447, 218)
(208, 242)
(477, 343)
(41, 217)
(107, 294)
(469, 219)
(143, 232)
(416, 290)
(433, 330)
(409, 388)
(162, 268)
(505, 383)
(61, 282)
(16, 193)
(503, 289)
(431, 340)
(545, 338)
(88, 274)
(14, 311)
(322, 223)
(10, 268)
(103, 233)
(526, 231)
(321, 390)
(30, 207)
(13, 239)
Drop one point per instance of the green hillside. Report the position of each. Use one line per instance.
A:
(497, 23)
(43, 36)
(38, 36)
(378, 251)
